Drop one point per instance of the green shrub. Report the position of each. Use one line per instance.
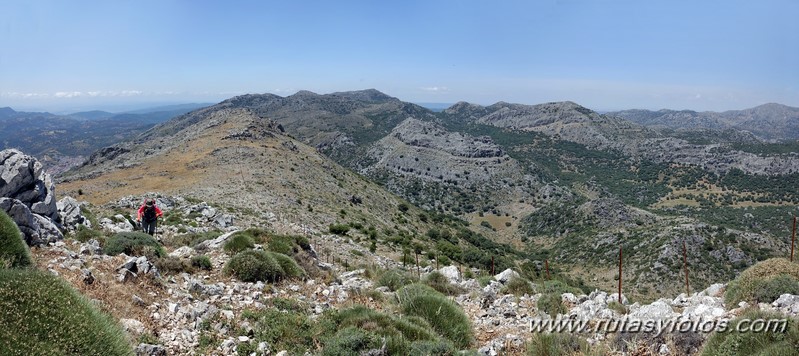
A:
(766, 343)
(237, 243)
(442, 314)
(133, 244)
(395, 279)
(403, 335)
(551, 304)
(84, 234)
(287, 304)
(288, 265)
(351, 341)
(252, 266)
(439, 282)
(40, 314)
(339, 229)
(283, 330)
(518, 286)
(769, 290)
(14, 251)
(202, 262)
(757, 282)
(281, 244)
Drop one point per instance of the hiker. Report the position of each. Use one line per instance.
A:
(148, 216)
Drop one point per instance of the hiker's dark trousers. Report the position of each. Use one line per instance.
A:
(148, 226)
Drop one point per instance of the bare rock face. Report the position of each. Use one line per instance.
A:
(36, 229)
(27, 194)
(71, 217)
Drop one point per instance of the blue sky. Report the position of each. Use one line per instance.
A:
(700, 55)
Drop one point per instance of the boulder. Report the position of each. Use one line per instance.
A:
(22, 177)
(122, 224)
(71, 217)
(150, 350)
(451, 272)
(215, 243)
(48, 230)
(91, 247)
(658, 310)
(182, 252)
(22, 215)
(715, 290)
(506, 275)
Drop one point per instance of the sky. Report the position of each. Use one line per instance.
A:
(606, 55)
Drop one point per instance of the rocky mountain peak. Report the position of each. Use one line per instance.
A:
(303, 93)
(465, 110)
(366, 95)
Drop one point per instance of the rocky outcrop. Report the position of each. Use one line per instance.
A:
(27, 194)
(22, 177)
(71, 216)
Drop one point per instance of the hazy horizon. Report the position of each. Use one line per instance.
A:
(86, 55)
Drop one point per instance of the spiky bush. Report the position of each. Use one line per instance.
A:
(281, 244)
(14, 251)
(84, 234)
(252, 266)
(238, 242)
(446, 317)
(202, 262)
(339, 229)
(133, 244)
(763, 281)
(551, 304)
(362, 329)
(518, 286)
(766, 343)
(288, 265)
(439, 282)
(556, 345)
(395, 279)
(283, 329)
(40, 314)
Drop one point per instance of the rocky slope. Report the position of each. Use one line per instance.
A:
(439, 169)
(240, 161)
(571, 122)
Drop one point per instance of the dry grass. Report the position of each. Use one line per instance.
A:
(116, 297)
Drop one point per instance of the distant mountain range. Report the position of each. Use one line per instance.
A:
(775, 122)
(63, 141)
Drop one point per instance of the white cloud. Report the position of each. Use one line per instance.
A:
(68, 94)
(435, 89)
(16, 95)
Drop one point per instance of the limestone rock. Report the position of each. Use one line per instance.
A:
(506, 275)
(451, 272)
(150, 350)
(23, 178)
(71, 217)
